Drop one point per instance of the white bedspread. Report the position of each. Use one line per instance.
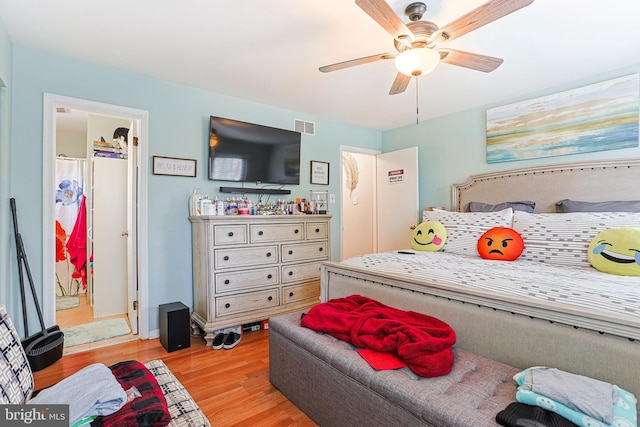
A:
(586, 291)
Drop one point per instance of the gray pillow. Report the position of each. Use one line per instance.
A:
(566, 206)
(525, 206)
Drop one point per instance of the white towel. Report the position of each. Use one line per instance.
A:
(90, 391)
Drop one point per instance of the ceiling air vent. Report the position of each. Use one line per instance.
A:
(301, 126)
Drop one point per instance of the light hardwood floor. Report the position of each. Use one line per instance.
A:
(231, 386)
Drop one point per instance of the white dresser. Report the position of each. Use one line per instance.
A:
(248, 268)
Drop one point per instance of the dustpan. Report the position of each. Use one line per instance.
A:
(45, 347)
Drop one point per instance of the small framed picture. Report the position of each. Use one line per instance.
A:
(174, 166)
(319, 172)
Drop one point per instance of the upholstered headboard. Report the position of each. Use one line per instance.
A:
(595, 181)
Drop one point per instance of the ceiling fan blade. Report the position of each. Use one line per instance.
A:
(382, 13)
(470, 60)
(480, 16)
(399, 84)
(354, 62)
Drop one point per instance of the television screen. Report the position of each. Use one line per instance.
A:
(247, 152)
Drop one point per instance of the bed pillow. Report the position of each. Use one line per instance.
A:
(465, 228)
(429, 236)
(500, 244)
(564, 238)
(616, 251)
(526, 206)
(566, 205)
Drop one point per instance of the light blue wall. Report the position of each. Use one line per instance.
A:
(6, 64)
(453, 147)
(178, 127)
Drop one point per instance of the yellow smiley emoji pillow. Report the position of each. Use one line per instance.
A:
(616, 251)
(429, 236)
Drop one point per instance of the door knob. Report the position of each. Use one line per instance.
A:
(124, 233)
(413, 227)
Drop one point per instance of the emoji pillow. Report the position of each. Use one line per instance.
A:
(429, 236)
(500, 243)
(616, 251)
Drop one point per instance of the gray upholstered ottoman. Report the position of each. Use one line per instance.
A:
(329, 381)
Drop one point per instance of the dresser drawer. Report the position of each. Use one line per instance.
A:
(303, 251)
(230, 234)
(300, 292)
(261, 233)
(300, 272)
(239, 257)
(317, 230)
(246, 279)
(251, 301)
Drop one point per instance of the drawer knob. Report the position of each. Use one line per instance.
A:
(226, 258)
(226, 282)
(317, 230)
(231, 234)
(269, 276)
(291, 273)
(296, 231)
(268, 254)
(270, 298)
(227, 305)
(320, 249)
(290, 252)
(290, 294)
(260, 233)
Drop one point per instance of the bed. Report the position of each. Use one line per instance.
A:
(532, 326)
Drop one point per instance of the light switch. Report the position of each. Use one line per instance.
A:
(354, 200)
(332, 198)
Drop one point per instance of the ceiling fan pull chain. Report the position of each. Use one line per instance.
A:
(416, 78)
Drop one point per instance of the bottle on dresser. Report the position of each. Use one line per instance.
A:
(194, 202)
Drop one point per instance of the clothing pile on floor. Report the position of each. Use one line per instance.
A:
(551, 397)
(421, 342)
(124, 394)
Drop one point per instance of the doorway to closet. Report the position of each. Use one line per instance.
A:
(97, 288)
(379, 200)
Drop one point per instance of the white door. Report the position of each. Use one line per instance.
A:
(397, 198)
(110, 236)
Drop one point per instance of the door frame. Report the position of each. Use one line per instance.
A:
(51, 101)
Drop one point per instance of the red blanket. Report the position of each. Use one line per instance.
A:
(422, 342)
(148, 410)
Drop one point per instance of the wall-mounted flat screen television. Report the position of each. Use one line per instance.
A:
(247, 152)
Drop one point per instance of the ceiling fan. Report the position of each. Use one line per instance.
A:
(417, 43)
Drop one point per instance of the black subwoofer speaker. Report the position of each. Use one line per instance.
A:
(174, 326)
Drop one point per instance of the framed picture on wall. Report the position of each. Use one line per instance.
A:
(174, 166)
(319, 172)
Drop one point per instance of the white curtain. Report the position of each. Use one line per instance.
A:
(69, 189)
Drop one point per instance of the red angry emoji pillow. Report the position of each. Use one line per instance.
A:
(500, 243)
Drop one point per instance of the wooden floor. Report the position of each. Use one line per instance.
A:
(231, 386)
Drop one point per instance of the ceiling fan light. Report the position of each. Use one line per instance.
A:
(417, 61)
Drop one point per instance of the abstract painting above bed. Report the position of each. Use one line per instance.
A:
(601, 116)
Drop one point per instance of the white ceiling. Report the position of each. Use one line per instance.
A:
(269, 51)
